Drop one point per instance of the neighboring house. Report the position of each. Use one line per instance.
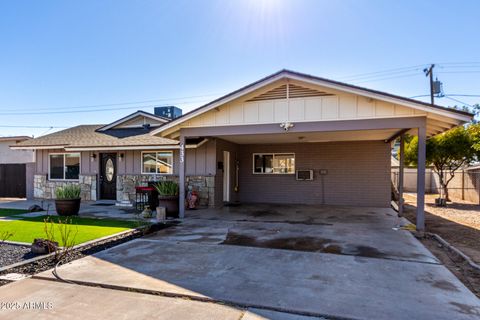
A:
(16, 169)
(287, 138)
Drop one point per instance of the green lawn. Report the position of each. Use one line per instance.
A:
(10, 212)
(27, 229)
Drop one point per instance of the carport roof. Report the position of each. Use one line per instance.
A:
(459, 115)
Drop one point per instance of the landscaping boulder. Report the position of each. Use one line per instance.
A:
(43, 246)
(35, 208)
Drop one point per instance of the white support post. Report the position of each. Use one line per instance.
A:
(181, 173)
(400, 175)
(421, 179)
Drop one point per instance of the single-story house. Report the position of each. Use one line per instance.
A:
(286, 138)
(16, 169)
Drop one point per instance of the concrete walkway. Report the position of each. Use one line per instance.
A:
(37, 299)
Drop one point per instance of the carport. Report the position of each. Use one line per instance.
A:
(324, 142)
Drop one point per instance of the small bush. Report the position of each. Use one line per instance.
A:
(71, 191)
(167, 188)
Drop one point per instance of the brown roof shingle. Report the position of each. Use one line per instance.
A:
(87, 136)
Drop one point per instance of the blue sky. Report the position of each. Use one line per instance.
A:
(59, 56)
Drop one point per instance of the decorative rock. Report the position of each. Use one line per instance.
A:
(14, 276)
(42, 246)
(35, 208)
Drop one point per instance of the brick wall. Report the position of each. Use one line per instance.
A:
(358, 174)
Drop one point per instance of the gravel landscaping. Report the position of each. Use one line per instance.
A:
(12, 253)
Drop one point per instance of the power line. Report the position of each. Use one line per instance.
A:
(108, 104)
(93, 110)
(464, 95)
(462, 102)
(466, 71)
(388, 78)
(31, 127)
(382, 72)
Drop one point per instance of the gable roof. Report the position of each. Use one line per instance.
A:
(284, 73)
(88, 136)
(138, 113)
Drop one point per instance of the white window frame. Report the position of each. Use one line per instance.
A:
(65, 153)
(273, 157)
(156, 152)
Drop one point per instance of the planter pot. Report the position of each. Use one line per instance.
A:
(170, 203)
(67, 207)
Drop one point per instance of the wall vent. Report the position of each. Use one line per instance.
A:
(294, 91)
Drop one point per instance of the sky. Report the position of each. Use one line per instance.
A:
(65, 63)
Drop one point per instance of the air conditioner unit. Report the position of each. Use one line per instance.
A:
(303, 175)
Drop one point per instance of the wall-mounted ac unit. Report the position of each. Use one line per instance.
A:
(303, 175)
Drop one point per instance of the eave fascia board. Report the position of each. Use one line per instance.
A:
(13, 147)
(217, 103)
(130, 117)
(117, 148)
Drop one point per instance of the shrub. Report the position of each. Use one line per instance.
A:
(167, 188)
(68, 192)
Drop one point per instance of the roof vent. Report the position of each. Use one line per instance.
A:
(169, 112)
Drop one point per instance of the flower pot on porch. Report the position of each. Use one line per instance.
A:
(170, 203)
(67, 207)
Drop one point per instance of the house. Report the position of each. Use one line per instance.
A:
(16, 169)
(286, 138)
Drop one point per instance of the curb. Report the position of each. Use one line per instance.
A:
(454, 249)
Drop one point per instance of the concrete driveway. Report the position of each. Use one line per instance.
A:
(268, 262)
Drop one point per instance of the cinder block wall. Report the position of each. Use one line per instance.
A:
(358, 174)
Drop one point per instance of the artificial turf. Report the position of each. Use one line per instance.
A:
(84, 229)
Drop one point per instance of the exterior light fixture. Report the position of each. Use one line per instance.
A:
(93, 156)
(286, 125)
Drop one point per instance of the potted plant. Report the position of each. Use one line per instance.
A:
(67, 202)
(168, 197)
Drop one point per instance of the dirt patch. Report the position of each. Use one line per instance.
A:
(469, 276)
(458, 223)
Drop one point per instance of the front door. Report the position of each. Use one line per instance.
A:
(108, 176)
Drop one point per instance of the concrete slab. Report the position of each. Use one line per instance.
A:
(339, 238)
(321, 284)
(44, 300)
(308, 214)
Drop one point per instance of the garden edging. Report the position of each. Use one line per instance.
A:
(78, 246)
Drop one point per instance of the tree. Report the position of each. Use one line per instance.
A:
(446, 153)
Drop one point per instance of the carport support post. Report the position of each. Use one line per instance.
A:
(400, 175)
(422, 140)
(181, 178)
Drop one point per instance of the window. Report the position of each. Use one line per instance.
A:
(157, 162)
(274, 163)
(64, 166)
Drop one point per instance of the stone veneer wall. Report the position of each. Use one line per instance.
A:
(203, 185)
(45, 189)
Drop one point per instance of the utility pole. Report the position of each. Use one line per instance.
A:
(429, 72)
